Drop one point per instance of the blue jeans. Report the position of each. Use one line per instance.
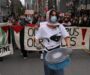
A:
(49, 71)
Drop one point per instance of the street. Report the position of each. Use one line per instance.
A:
(16, 65)
(44, 24)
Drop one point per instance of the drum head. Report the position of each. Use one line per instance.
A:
(57, 55)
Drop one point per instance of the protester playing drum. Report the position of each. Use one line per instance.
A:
(52, 33)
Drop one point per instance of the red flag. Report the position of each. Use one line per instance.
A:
(17, 28)
(5, 28)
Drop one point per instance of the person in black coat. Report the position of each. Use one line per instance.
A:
(23, 22)
(85, 22)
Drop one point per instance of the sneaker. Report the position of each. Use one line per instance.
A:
(25, 57)
(41, 56)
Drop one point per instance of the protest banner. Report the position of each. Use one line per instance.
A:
(6, 50)
(79, 37)
(5, 47)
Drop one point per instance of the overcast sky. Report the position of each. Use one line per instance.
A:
(23, 2)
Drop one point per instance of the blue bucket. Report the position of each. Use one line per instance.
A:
(58, 66)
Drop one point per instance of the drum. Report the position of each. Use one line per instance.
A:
(57, 59)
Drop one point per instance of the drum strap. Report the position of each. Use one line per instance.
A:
(51, 48)
(54, 48)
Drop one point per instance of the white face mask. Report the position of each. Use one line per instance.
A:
(29, 18)
(53, 19)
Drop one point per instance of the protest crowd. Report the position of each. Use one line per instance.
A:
(34, 19)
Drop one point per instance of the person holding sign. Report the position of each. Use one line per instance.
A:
(52, 33)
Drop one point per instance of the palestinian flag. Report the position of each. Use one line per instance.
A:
(24, 37)
(5, 46)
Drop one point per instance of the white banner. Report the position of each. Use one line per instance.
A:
(79, 36)
(6, 50)
(29, 43)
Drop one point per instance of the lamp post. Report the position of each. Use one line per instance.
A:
(85, 4)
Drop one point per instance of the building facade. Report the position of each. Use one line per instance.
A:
(60, 5)
(4, 7)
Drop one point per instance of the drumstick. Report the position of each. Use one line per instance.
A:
(44, 47)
